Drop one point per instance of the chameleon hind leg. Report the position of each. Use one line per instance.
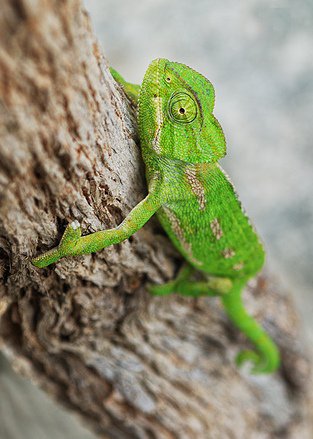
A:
(266, 357)
(212, 286)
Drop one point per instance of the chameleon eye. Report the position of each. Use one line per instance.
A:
(168, 79)
(182, 107)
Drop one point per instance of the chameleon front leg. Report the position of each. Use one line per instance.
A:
(132, 90)
(212, 286)
(73, 244)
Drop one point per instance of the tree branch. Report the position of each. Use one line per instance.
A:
(85, 329)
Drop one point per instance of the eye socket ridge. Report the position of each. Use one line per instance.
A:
(182, 107)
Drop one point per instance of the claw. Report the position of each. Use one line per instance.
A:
(69, 239)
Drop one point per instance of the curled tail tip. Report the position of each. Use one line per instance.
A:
(261, 364)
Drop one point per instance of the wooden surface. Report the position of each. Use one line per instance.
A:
(86, 330)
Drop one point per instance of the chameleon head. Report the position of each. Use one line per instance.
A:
(176, 114)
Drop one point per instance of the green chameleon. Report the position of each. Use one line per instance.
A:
(195, 201)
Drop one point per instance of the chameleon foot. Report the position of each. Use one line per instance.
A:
(69, 239)
(211, 287)
(162, 290)
(170, 287)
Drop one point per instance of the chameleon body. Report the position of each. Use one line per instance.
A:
(181, 143)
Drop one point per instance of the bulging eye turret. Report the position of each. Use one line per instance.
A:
(182, 107)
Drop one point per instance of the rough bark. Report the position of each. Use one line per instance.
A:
(85, 329)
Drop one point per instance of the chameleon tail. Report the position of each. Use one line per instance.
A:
(266, 358)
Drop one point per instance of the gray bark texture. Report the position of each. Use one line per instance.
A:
(85, 329)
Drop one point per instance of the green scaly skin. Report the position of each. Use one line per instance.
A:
(132, 90)
(181, 144)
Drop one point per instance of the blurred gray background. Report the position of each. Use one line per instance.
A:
(259, 56)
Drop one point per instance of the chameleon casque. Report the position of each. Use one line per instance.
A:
(181, 143)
